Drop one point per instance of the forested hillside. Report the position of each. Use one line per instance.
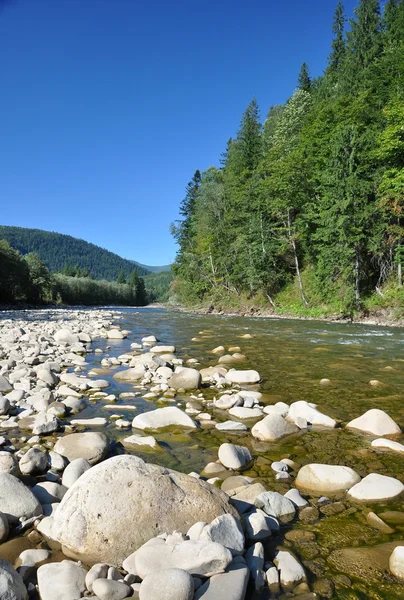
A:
(305, 212)
(59, 251)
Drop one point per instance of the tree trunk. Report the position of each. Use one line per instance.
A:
(357, 286)
(299, 278)
(400, 275)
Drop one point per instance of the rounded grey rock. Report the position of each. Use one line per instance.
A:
(171, 584)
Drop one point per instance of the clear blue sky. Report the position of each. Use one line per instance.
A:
(109, 106)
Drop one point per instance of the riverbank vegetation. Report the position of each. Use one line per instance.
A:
(304, 215)
(26, 280)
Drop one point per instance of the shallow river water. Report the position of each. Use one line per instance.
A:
(292, 357)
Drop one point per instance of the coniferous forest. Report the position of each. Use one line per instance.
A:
(305, 212)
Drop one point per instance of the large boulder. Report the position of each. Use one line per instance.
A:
(16, 500)
(91, 445)
(185, 379)
(377, 422)
(117, 506)
(272, 428)
(326, 479)
(11, 584)
(163, 417)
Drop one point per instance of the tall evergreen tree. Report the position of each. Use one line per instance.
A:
(304, 80)
(338, 51)
(249, 137)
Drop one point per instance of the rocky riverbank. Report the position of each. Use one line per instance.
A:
(82, 517)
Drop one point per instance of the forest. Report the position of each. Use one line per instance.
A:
(304, 214)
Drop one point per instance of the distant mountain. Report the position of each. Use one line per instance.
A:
(58, 250)
(162, 269)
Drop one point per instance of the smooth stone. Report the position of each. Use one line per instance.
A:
(91, 445)
(4, 405)
(245, 413)
(65, 336)
(255, 562)
(375, 421)
(195, 531)
(168, 584)
(56, 461)
(257, 526)
(376, 487)
(226, 401)
(132, 374)
(140, 440)
(11, 583)
(93, 422)
(243, 377)
(294, 495)
(272, 428)
(234, 457)
(9, 464)
(225, 530)
(61, 581)
(48, 492)
(291, 572)
(185, 379)
(163, 417)
(115, 334)
(387, 444)
(17, 502)
(108, 589)
(4, 528)
(310, 413)
(245, 497)
(396, 562)
(325, 479)
(30, 558)
(33, 460)
(102, 502)
(162, 349)
(45, 423)
(97, 571)
(276, 505)
(231, 426)
(74, 470)
(230, 585)
(201, 558)
(378, 523)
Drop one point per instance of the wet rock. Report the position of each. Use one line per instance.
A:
(140, 440)
(387, 444)
(171, 584)
(324, 588)
(61, 581)
(272, 428)
(101, 504)
(163, 417)
(378, 523)
(375, 421)
(394, 517)
(91, 445)
(133, 374)
(16, 500)
(231, 585)
(310, 413)
(326, 479)
(11, 584)
(242, 377)
(376, 487)
(234, 457)
(369, 564)
(310, 514)
(186, 379)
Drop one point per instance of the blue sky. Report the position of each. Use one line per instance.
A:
(109, 106)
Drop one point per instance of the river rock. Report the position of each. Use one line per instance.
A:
(294, 495)
(97, 571)
(45, 423)
(132, 374)
(230, 585)
(91, 445)
(65, 336)
(48, 492)
(376, 487)
(33, 461)
(245, 497)
(170, 584)
(377, 422)
(4, 405)
(101, 505)
(186, 379)
(245, 413)
(115, 334)
(234, 457)
(5, 385)
(140, 440)
(276, 505)
(226, 401)
(225, 530)
(200, 558)
(231, 426)
(162, 349)
(9, 464)
(74, 470)
(243, 377)
(16, 500)
(255, 562)
(326, 479)
(396, 562)
(11, 584)
(309, 412)
(291, 572)
(4, 528)
(387, 444)
(257, 526)
(61, 581)
(108, 589)
(163, 417)
(272, 428)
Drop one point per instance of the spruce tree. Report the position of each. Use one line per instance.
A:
(249, 137)
(121, 277)
(304, 80)
(338, 44)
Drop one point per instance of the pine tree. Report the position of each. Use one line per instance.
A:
(249, 137)
(121, 277)
(304, 80)
(364, 39)
(337, 55)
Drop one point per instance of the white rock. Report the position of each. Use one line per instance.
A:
(243, 377)
(245, 413)
(9, 464)
(48, 492)
(97, 571)
(170, 584)
(45, 423)
(272, 428)
(257, 526)
(11, 584)
(140, 440)
(396, 562)
(4, 405)
(255, 562)
(163, 417)
(230, 585)
(226, 401)
(65, 336)
(280, 408)
(375, 421)
(308, 412)
(90, 445)
(4, 528)
(231, 426)
(276, 505)
(186, 378)
(108, 589)
(93, 422)
(115, 334)
(387, 444)
(162, 349)
(16, 500)
(291, 572)
(225, 530)
(376, 487)
(74, 470)
(326, 478)
(294, 495)
(234, 457)
(33, 460)
(61, 581)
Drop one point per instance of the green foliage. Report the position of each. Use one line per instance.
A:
(63, 253)
(306, 211)
(158, 286)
